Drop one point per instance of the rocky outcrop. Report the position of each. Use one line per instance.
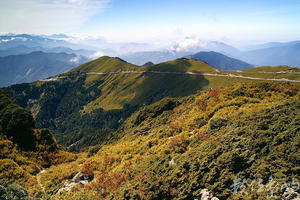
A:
(290, 194)
(207, 195)
(78, 179)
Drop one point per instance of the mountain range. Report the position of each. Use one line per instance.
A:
(215, 59)
(21, 49)
(35, 66)
(14, 40)
(181, 48)
(140, 58)
(95, 98)
(270, 45)
(269, 54)
(216, 54)
(220, 61)
(279, 54)
(262, 54)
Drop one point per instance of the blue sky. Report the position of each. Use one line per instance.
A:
(151, 20)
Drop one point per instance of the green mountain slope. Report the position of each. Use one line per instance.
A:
(105, 64)
(86, 104)
(277, 69)
(175, 148)
(279, 72)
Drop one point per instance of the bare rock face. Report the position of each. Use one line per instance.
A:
(172, 162)
(78, 179)
(81, 177)
(291, 194)
(207, 195)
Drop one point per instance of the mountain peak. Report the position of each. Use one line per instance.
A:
(105, 64)
(220, 61)
(148, 63)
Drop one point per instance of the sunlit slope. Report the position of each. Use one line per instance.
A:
(282, 68)
(142, 85)
(279, 72)
(142, 88)
(176, 147)
(98, 96)
(183, 65)
(106, 64)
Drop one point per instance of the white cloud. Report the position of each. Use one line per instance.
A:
(13, 38)
(97, 54)
(75, 59)
(186, 44)
(47, 16)
(192, 44)
(195, 44)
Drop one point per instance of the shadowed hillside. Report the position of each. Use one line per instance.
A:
(24, 151)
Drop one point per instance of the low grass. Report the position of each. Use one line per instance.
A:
(273, 69)
(136, 89)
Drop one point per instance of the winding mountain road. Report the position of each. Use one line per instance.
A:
(194, 74)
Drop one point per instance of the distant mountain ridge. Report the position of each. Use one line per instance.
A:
(140, 58)
(181, 48)
(269, 54)
(35, 66)
(271, 45)
(194, 45)
(214, 59)
(272, 53)
(21, 49)
(13, 40)
(274, 56)
(220, 61)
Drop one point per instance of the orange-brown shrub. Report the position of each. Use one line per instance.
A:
(107, 184)
(108, 160)
(181, 109)
(214, 92)
(202, 136)
(176, 126)
(88, 168)
(179, 141)
(202, 104)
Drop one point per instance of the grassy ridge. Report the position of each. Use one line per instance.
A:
(106, 64)
(273, 69)
(279, 72)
